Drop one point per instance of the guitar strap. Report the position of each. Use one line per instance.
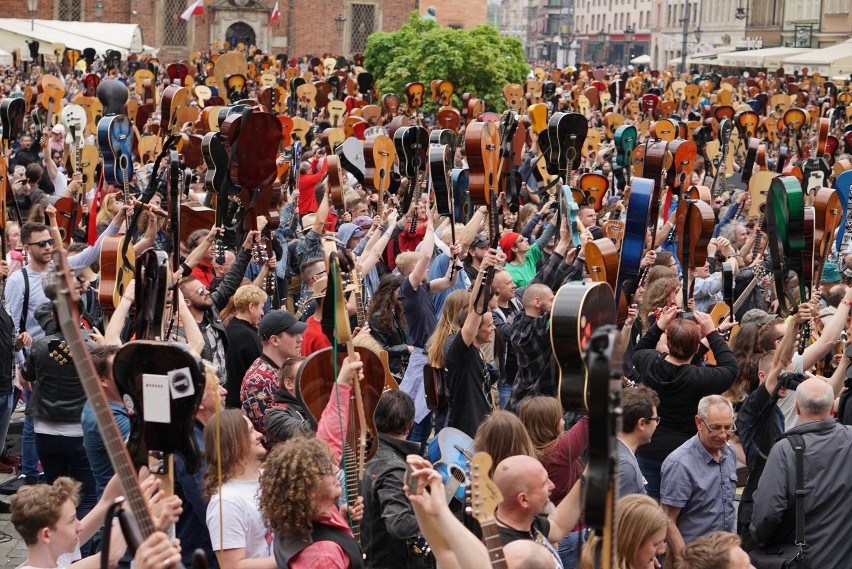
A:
(22, 325)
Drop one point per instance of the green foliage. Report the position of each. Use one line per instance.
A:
(480, 61)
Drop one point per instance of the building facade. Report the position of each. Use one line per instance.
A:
(459, 15)
(304, 27)
(601, 25)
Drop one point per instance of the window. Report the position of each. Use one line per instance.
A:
(553, 24)
(69, 10)
(174, 29)
(363, 24)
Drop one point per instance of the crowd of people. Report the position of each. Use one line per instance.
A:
(271, 489)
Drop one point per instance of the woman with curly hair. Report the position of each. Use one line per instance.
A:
(299, 490)
(388, 326)
(237, 531)
(659, 294)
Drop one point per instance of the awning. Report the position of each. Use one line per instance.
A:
(704, 57)
(5, 58)
(14, 33)
(766, 58)
(644, 59)
(829, 61)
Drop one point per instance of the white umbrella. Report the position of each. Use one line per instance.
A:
(644, 59)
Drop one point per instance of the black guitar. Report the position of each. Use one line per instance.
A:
(578, 310)
(351, 154)
(411, 144)
(217, 182)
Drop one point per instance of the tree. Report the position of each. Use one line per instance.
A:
(480, 61)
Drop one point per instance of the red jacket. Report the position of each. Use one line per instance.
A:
(307, 187)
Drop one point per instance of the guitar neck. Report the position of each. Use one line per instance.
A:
(493, 543)
(352, 487)
(107, 426)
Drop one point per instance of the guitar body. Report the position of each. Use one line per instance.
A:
(152, 285)
(177, 397)
(440, 163)
(351, 154)
(316, 377)
(578, 310)
(481, 142)
(602, 261)
(12, 111)
(115, 139)
(633, 243)
(449, 453)
(463, 208)
(117, 270)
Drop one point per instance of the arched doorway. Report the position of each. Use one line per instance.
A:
(240, 33)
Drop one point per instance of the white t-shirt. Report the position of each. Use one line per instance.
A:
(243, 520)
(65, 560)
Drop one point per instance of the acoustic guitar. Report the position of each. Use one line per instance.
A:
(578, 310)
(450, 452)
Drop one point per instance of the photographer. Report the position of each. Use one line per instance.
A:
(760, 421)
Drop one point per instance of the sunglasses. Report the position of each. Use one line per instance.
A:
(44, 243)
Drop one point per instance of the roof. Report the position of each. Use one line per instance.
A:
(824, 56)
(126, 38)
(704, 57)
(769, 57)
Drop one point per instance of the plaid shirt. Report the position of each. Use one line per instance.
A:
(530, 336)
(256, 394)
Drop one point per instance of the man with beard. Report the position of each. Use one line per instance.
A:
(205, 307)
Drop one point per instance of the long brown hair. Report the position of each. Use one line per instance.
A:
(232, 445)
(657, 296)
(386, 304)
(541, 416)
(502, 435)
(447, 324)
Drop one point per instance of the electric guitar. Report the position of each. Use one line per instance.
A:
(485, 497)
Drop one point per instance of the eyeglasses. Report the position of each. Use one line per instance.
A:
(719, 202)
(719, 428)
(655, 419)
(44, 243)
(200, 291)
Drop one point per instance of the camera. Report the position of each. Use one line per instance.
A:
(790, 380)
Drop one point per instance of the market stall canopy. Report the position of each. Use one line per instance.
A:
(5, 58)
(828, 61)
(644, 59)
(707, 57)
(125, 38)
(766, 58)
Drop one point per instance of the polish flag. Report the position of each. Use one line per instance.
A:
(276, 13)
(195, 9)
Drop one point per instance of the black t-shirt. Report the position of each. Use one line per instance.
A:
(539, 532)
(420, 314)
(469, 380)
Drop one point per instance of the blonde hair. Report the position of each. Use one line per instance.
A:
(405, 262)
(248, 294)
(447, 324)
(105, 213)
(638, 517)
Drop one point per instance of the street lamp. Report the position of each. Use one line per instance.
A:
(32, 6)
(685, 22)
(99, 10)
(628, 39)
(339, 23)
(602, 38)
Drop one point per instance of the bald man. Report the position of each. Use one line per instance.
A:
(827, 464)
(531, 342)
(526, 489)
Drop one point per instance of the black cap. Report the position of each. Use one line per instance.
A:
(278, 321)
(479, 241)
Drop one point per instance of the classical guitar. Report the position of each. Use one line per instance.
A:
(578, 310)
(67, 308)
(485, 497)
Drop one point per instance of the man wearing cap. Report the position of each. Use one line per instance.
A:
(830, 277)
(522, 257)
(477, 251)
(281, 338)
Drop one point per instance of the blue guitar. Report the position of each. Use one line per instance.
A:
(449, 453)
(115, 139)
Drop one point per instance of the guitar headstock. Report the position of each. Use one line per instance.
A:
(484, 494)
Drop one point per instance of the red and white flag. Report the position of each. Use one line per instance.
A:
(195, 9)
(276, 13)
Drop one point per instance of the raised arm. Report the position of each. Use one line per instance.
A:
(426, 248)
